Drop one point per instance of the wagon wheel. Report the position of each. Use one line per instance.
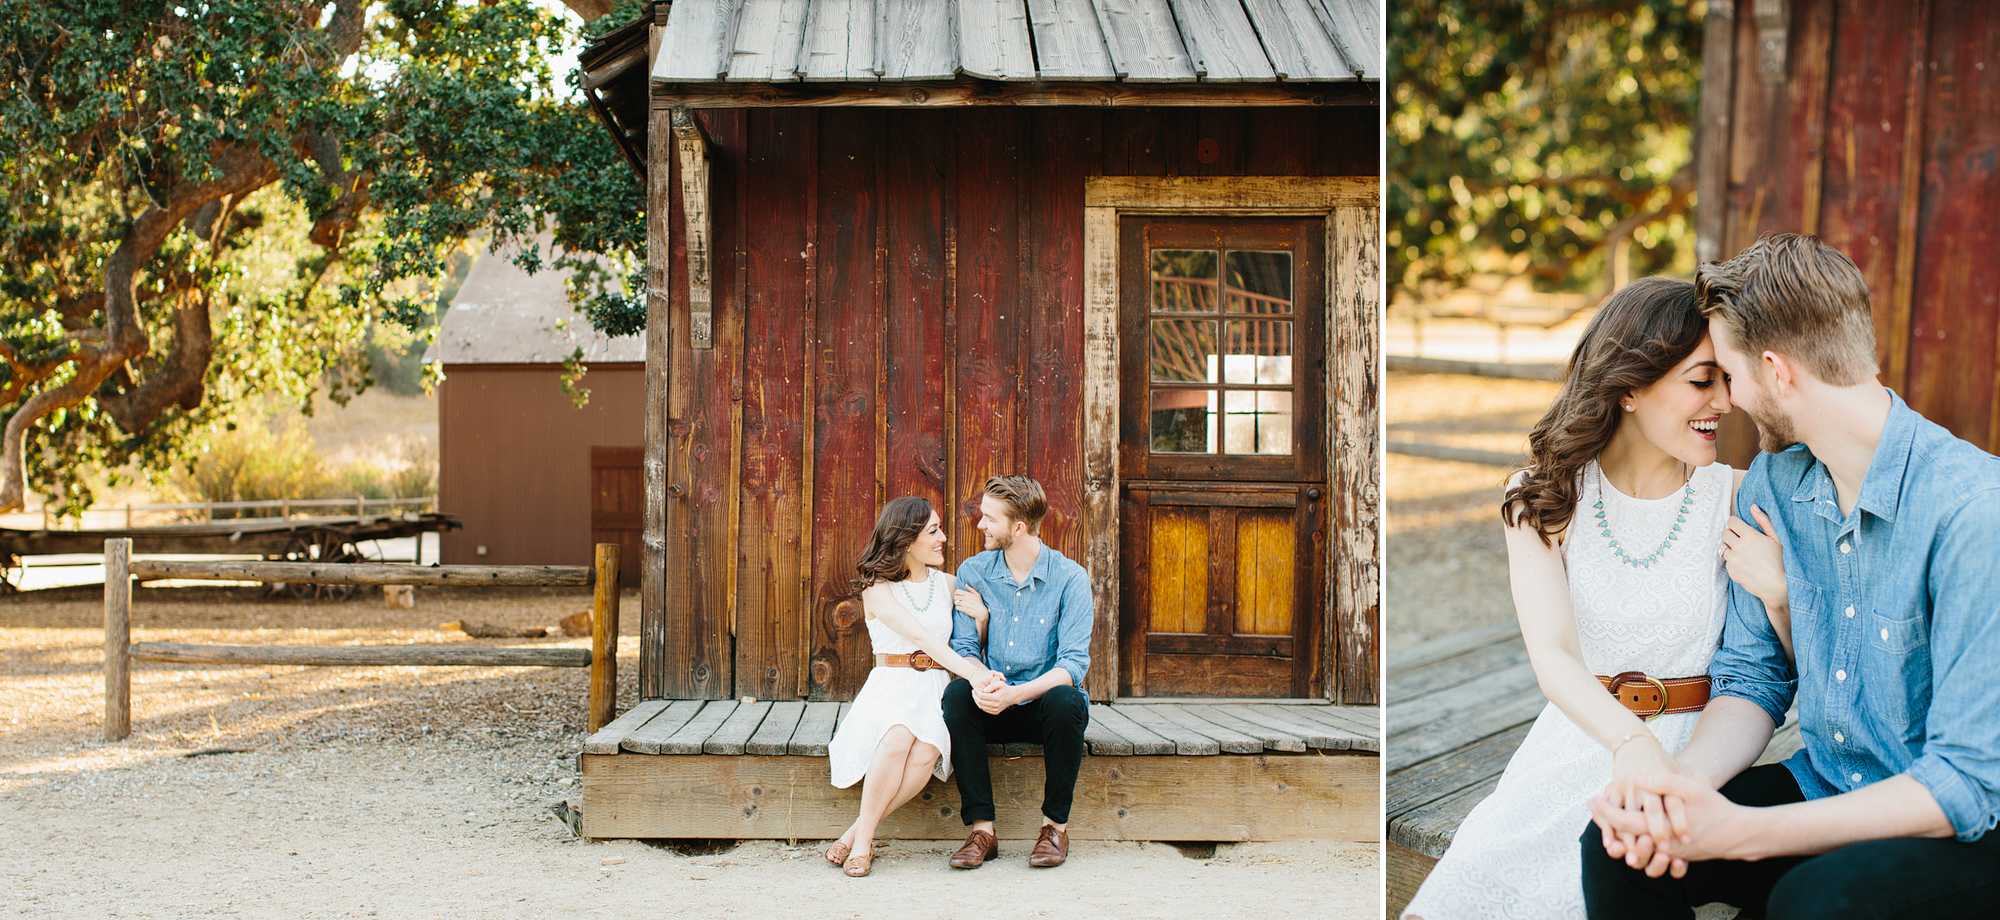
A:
(321, 544)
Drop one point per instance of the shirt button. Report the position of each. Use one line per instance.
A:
(1856, 777)
(1837, 675)
(1010, 643)
(1885, 635)
(1850, 613)
(1837, 737)
(1846, 548)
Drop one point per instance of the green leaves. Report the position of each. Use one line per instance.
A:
(1522, 130)
(396, 132)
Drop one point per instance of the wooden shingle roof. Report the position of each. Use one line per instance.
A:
(1101, 41)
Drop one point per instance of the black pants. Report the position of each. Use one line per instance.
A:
(1903, 877)
(1055, 722)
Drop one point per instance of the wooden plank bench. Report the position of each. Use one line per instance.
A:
(1461, 705)
(1154, 770)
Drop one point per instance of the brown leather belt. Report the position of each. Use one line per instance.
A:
(1651, 697)
(923, 662)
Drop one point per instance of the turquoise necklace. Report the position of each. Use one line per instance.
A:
(1646, 561)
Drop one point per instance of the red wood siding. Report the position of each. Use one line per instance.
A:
(1884, 139)
(906, 319)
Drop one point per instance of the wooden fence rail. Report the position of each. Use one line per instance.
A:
(120, 651)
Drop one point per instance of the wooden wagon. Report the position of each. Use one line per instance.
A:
(897, 247)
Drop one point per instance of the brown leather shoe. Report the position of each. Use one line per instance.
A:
(1051, 849)
(979, 847)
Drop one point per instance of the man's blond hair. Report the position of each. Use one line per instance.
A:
(1022, 497)
(1792, 294)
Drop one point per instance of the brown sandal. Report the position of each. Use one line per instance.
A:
(859, 864)
(837, 854)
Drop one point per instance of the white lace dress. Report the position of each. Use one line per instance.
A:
(1516, 855)
(898, 696)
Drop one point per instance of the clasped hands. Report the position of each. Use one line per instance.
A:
(1657, 816)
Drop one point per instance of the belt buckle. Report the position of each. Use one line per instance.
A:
(922, 661)
(1633, 677)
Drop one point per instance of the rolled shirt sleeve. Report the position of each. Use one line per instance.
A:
(965, 630)
(1751, 663)
(1960, 763)
(1073, 626)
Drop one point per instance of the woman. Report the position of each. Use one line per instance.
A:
(1613, 537)
(893, 738)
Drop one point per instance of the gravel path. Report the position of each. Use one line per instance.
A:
(425, 793)
(1447, 568)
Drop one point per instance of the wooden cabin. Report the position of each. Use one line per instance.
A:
(1126, 247)
(537, 479)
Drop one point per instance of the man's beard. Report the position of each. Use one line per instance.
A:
(1774, 433)
(1002, 542)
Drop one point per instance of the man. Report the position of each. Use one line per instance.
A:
(1891, 532)
(1036, 608)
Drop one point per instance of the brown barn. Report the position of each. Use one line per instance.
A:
(1876, 125)
(1128, 247)
(536, 479)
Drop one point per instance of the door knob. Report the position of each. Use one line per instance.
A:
(1312, 494)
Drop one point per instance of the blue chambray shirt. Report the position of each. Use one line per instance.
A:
(1031, 627)
(1895, 619)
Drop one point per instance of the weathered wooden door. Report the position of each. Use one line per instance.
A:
(617, 502)
(1222, 456)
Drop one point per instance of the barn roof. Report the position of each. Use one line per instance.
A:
(1137, 41)
(503, 315)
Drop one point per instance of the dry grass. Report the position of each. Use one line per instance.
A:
(1447, 567)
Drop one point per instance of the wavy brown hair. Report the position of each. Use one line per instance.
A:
(1636, 338)
(902, 520)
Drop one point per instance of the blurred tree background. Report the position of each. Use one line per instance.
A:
(1531, 139)
(208, 205)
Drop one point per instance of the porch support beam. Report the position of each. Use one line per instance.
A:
(691, 148)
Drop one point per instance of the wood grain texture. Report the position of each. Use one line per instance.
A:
(605, 740)
(769, 34)
(1353, 442)
(733, 735)
(1143, 41)
(1222, 45)
(1060, 154)
(915, 351)
(987, 189)
(697, 41)
(1711, 149)
(1144, 740)
(653, 682)
(774, 733)
(1267, 566)
(1069, 44)
(839, 41)
(916, 40)
(1355, 26)
(847, 354)
(1407, 870)
(993, 42)
(1295, 42)
(1230, 797)
(970, 92)
(1273, 739)
(815, 729)
(690, 738)
(363, 655)
(117, 638)
(1225, 195)
(649, 737)
(604, 637)
(1179, 571)
(1099, 514)
(371, 573)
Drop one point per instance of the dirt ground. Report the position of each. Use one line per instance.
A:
(426, 792)
(1446, 569)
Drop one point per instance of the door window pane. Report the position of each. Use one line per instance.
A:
(1183, 421)
(1184, 351)
(1184, 280)
(1260, 282)
(1257, 352)
(1257, 422)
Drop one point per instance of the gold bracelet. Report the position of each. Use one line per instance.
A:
(1621, 742)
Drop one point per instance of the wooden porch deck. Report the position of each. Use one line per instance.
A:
(1155, 770)
(1461, 706)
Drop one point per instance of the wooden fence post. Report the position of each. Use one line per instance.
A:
(604, 638)
(117, 638)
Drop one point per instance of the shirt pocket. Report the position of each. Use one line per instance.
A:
(1897, 684)
(1803, 598)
